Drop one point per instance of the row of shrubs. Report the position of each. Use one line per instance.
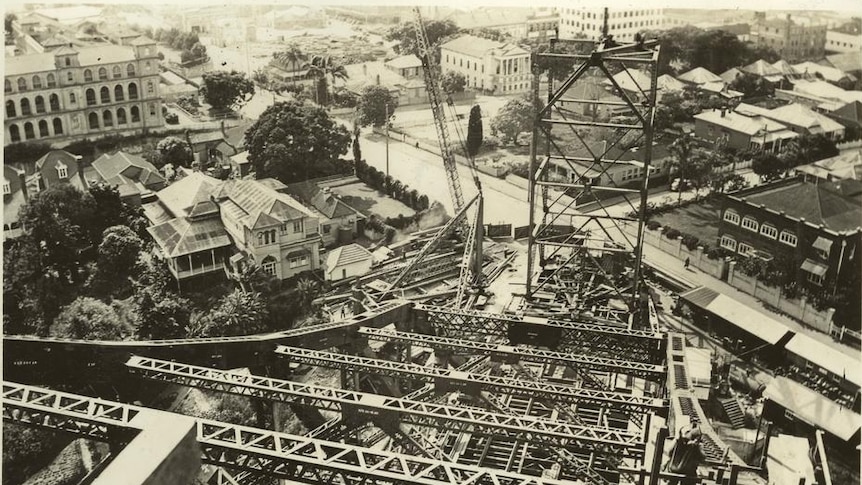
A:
(691, 242)
(393, 188)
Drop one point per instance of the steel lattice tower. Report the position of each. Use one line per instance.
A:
(591, 149)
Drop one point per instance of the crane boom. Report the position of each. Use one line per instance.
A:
(432, 85)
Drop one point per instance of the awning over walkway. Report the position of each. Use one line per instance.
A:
(737, 313)
(814, 267)
(821, 355)
(814, 408)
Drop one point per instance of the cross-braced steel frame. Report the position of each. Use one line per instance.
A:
(570, 168)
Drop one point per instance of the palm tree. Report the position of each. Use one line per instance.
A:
(322, 68)
(292, 57)
(681, 149)
(308, 290)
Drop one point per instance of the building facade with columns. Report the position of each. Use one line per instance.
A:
(82, 92)
(490, 66)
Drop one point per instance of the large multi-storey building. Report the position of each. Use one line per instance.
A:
(793, 41)
(491, 66)
(623, 24)
(78, 92)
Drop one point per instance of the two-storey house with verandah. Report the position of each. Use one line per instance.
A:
(77, 92)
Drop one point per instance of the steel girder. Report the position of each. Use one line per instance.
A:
(364, 407)
(605, 341)
(463, 381)
(510, 354)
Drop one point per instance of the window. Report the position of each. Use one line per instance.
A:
(268, 267)
(297, 226)
(728, 242)
(88, 75)
(105, 94)
(744, 249)
(7, 188)
(103, 74)
(108, 117)
(133, 91)
(769, 231)
(22, 84)
(70, 76)
(40, 104)
(298, 261)
(816, 279)
(118, 92)
(58, 126)
(117, 72)
(62, 171)
(52, 81)
(749, 223)
(43, 129)
(152, 109)
(788, 238)
(93, 120)
(150, 88)
(68, 63)
(325, 228)
(136, 114)
(91, 97)
(8, 86)
(72, 99)
(14, 133)
(10, 109)
(130, 70)
(25, 107)
(121, 116)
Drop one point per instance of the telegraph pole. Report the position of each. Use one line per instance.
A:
(386, 180)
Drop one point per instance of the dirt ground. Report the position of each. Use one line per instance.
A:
(368, 201)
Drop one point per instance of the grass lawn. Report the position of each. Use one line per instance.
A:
(368, 201)
(699, 219)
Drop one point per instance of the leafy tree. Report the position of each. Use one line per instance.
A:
(515, 117)
(110, 210)
(375, 103)
(25, 152)
(405, 34)
(560, 68)
(294, 142)
(751, 85)
(308, 290)
(237, 313)
(118, 257)
(453, 82)
(173, 150)
(807, 149)
(260, 77)
(474, 131)
(222, 89)
(88, 318)
(767, 165)
(161, 313)
(491, 34)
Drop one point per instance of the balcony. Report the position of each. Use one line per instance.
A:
(201, 269)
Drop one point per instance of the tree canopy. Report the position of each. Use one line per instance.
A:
(88, 318)
(474, 131)
(237, 313)
(293, 142)
(405, 34)
(515, 117)
(173, 150)
(373, 104)
(223, 89)
(162, 314)
(453, 82)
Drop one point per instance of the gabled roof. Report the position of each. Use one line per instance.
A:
(181, 236)
(823, 89)
(835, 205)
(851, 111)
(479, 47)
(206, 137)
(785, 68)
(631, 80)
(799, 115)
(344, 255)
(405, 62)
(739, 122)
(666, 83)
(331, 206)
(844, 166)
(257, 204)
(130, 166)
(179, 197)
(729, 75)
(698, 75)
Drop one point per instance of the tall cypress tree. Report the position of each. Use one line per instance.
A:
(474, 131)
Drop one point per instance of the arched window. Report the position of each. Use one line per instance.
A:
(54, 102)
(130, 70)
(58, 126)
(10, 109)
(93, 119)
(22, 84)
(37, 82)
(133, 91)
(117, 72)
(25, 107)
(136, 114)
(43, 129)
(108, 118)
(103, 74)
(121, 116)
(88, 75)
(72, 99)
(14, 133)
(105, 94)
(118, 92)
(52, 81)
(91, 97)
(40, 104)
(28, 131)
(8, 86)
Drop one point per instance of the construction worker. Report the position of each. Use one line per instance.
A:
(685, 456)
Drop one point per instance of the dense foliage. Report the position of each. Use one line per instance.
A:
(514, 118)
(375, 104)
(474, 131)
(223, 89)
(405, 33)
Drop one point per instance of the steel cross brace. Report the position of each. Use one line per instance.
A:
(368, 407)
(510, 354)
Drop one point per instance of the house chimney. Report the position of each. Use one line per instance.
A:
(723, 112)
(80, 163)
(22, 177)
(378, 79)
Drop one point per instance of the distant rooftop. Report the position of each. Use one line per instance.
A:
(479, 47)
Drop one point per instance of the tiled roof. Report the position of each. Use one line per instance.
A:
(182, 236)
(405, 62)
(835, 205)
(698, 75)
(478, 46)
(345, 255)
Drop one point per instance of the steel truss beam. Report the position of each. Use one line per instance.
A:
(604, 341)
(464, 381)
(244, 449)
(510, 354)
(384, 410)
